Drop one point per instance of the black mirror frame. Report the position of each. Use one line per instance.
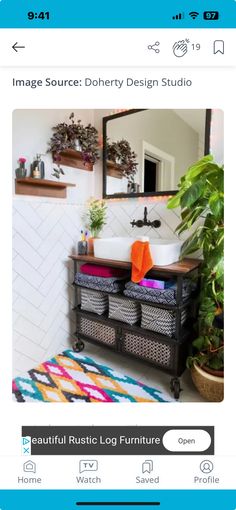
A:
(157, 193)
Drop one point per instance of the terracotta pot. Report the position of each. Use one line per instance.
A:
(91, 246)
(210, 386)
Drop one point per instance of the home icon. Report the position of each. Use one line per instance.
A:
(29, 467)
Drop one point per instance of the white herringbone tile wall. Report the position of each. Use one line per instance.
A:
(44, 234)
(122, 212)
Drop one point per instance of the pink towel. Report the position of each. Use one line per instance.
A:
(103, 271)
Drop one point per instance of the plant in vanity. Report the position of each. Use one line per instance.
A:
(74, 136)
(95, 220)
(201, 196)
(21, 170)
(96, 216)
(120, 152)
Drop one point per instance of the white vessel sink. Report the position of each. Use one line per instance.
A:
(164, 251)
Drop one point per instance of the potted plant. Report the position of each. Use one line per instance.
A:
(201, 199)
(75, 136)
(95, 220)
(120, 153)
(21, 170)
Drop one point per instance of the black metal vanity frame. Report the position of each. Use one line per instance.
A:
(177, 347)
(144, 194)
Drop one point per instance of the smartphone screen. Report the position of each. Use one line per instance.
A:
(116, 123)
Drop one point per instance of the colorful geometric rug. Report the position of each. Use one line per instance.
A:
(72, 377)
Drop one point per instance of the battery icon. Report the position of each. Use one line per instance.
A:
(211, 15)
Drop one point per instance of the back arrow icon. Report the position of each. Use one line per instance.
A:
(16, 48)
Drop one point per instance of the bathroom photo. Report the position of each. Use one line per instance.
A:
(118, 247)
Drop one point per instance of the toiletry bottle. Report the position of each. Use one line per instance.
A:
(82, 245)
(37, 168)
(129, 187)
(41, 167)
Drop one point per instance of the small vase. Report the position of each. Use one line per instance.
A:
(94, 235)
(78, 146)
(21, 172)
(91, 246)
(133, 187)
(129, 189)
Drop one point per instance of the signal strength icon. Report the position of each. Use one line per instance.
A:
(194, 14)
(178, 16)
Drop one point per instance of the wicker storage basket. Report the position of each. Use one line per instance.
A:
(160, 320)
(96, 330)
(91, 301)
(124, 310)
(211, 387)
(145, 347)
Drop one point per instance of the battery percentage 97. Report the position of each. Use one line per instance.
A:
(211, 15)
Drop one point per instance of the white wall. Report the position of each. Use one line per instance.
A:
(32, 129)
(217, 136)
(45, 233)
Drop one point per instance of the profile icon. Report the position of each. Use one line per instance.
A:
(206, 467)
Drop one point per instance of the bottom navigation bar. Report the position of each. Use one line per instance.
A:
(117, 472)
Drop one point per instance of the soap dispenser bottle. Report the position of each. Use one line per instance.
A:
(37, 168)
(83, 244)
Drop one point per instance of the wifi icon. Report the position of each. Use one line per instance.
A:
(194, 14)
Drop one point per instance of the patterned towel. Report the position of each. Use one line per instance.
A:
(112, 285)
(167, 296)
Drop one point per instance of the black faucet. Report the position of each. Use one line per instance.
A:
(145, 222)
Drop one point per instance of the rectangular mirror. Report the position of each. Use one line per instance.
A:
(146, 152)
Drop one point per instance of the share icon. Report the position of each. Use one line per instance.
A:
(154, 47)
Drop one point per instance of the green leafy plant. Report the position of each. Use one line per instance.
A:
(201, 197)
(120, 152)
(68, 136)
(96, 216)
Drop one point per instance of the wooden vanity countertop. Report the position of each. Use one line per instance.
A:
(182, 267)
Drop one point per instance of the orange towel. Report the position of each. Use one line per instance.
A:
(141, 260)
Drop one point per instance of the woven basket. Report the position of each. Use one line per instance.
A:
(124, 310)
(211, 387)
(160, 320)
(144, 347)
(97, 331)
(92, 301)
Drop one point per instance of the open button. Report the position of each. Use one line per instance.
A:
(187, 440)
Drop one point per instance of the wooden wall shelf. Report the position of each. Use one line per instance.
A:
(114, 170)
(74, 159)
(41, 187)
